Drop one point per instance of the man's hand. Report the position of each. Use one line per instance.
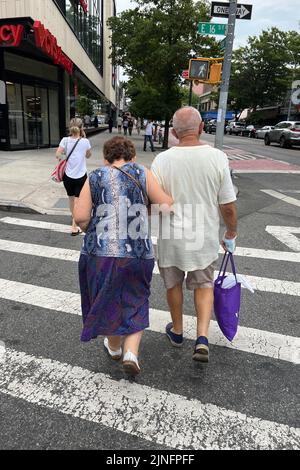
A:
(229, 241)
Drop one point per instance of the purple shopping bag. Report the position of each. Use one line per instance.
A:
(227, 302)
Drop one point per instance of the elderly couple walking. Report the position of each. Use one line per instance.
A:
(191, 183)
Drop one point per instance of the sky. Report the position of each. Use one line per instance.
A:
(285, 14)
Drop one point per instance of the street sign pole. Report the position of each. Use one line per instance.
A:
(226, 75)
(191, 93)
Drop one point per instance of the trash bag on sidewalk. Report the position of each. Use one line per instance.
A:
(227, 300)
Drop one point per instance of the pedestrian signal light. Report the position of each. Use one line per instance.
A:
(206, 70)
(199, 69)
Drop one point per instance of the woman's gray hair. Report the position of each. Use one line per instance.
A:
(186, 119)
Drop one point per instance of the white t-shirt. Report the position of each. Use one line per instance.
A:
(120, 121)
(149, 129)
(76, 166)
(198, 178)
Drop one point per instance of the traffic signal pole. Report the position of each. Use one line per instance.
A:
(226, 75)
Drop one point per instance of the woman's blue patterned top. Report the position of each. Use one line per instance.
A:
(119, 225)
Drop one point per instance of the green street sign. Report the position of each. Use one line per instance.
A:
(223, 44)
(212, 28)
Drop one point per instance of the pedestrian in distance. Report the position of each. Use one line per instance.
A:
(115, 268)
(197, 176)
(87, 121)
(149, 135)
(120, 122)
(96, 122)
(125, 125)
(110, 124)
(138, 125)
(78, 148)
(130, 126)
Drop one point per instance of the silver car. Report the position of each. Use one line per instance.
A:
(260, 133)
(286, 134)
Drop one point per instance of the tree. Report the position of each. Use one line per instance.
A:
(84, 106)
(154, 43)
(262, 70)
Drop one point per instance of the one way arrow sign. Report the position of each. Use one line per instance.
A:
(221, 10)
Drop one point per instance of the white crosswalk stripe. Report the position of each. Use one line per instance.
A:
(262, 284)
(240, 251)
(154, 415)
(249, 340)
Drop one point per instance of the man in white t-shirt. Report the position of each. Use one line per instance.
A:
(197, 176)
(149, 135)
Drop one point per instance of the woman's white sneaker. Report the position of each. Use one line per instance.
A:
(115, 355)
(131, 364)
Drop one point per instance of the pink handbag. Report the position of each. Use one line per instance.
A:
(59, 171)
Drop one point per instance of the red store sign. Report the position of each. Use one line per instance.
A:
(11, 35)
(84, 6)
(48, 43)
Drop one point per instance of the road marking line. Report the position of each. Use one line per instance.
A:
(152, 414)
(240, 251)
(263, 284)
(250, 340)
(282, 197)
(285, 236)
(37, 224)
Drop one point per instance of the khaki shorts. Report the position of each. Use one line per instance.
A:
(200, 279)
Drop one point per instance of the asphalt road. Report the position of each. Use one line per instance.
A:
(49, 382)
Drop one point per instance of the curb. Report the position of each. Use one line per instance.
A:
(17, 207)
(22, 208)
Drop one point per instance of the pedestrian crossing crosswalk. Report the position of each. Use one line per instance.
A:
(164, 417)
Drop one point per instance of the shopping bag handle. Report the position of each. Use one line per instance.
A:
(228, 256)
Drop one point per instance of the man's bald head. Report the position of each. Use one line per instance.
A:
(187, 120)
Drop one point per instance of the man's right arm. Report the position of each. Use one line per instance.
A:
(229, 214)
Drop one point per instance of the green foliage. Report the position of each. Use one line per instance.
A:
(154, 43)
(84, 106)
(263, 70)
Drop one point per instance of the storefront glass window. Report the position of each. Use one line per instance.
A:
(88, 27)
(15, 116)
(33, 115)
(54, 116)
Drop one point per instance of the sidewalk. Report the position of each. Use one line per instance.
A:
(26, 185)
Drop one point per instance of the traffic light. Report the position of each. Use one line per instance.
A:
(199, 69)
(205, 70)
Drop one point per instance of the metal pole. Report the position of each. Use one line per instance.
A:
(226, 75)
(290, 104)
(191, 93)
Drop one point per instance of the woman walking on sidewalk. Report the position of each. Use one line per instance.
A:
(78, 148)
(117, 259)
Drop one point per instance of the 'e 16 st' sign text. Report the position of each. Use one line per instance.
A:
(48, 43)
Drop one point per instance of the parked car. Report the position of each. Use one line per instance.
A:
(260, 133)
(285, 133)
(211, 126)
(235, 128)
(249, 131)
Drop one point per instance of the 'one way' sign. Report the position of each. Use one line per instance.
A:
(221, 10)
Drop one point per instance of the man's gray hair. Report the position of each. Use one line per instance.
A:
(186, 119)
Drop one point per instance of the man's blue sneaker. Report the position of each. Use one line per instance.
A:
(201, 352)
(175, 340)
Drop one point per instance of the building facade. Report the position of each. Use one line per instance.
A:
(51, 50)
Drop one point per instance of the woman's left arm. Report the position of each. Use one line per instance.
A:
(83, 207)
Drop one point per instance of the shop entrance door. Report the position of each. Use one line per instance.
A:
(33, 119)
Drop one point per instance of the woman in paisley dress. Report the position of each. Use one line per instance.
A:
(117, 258)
